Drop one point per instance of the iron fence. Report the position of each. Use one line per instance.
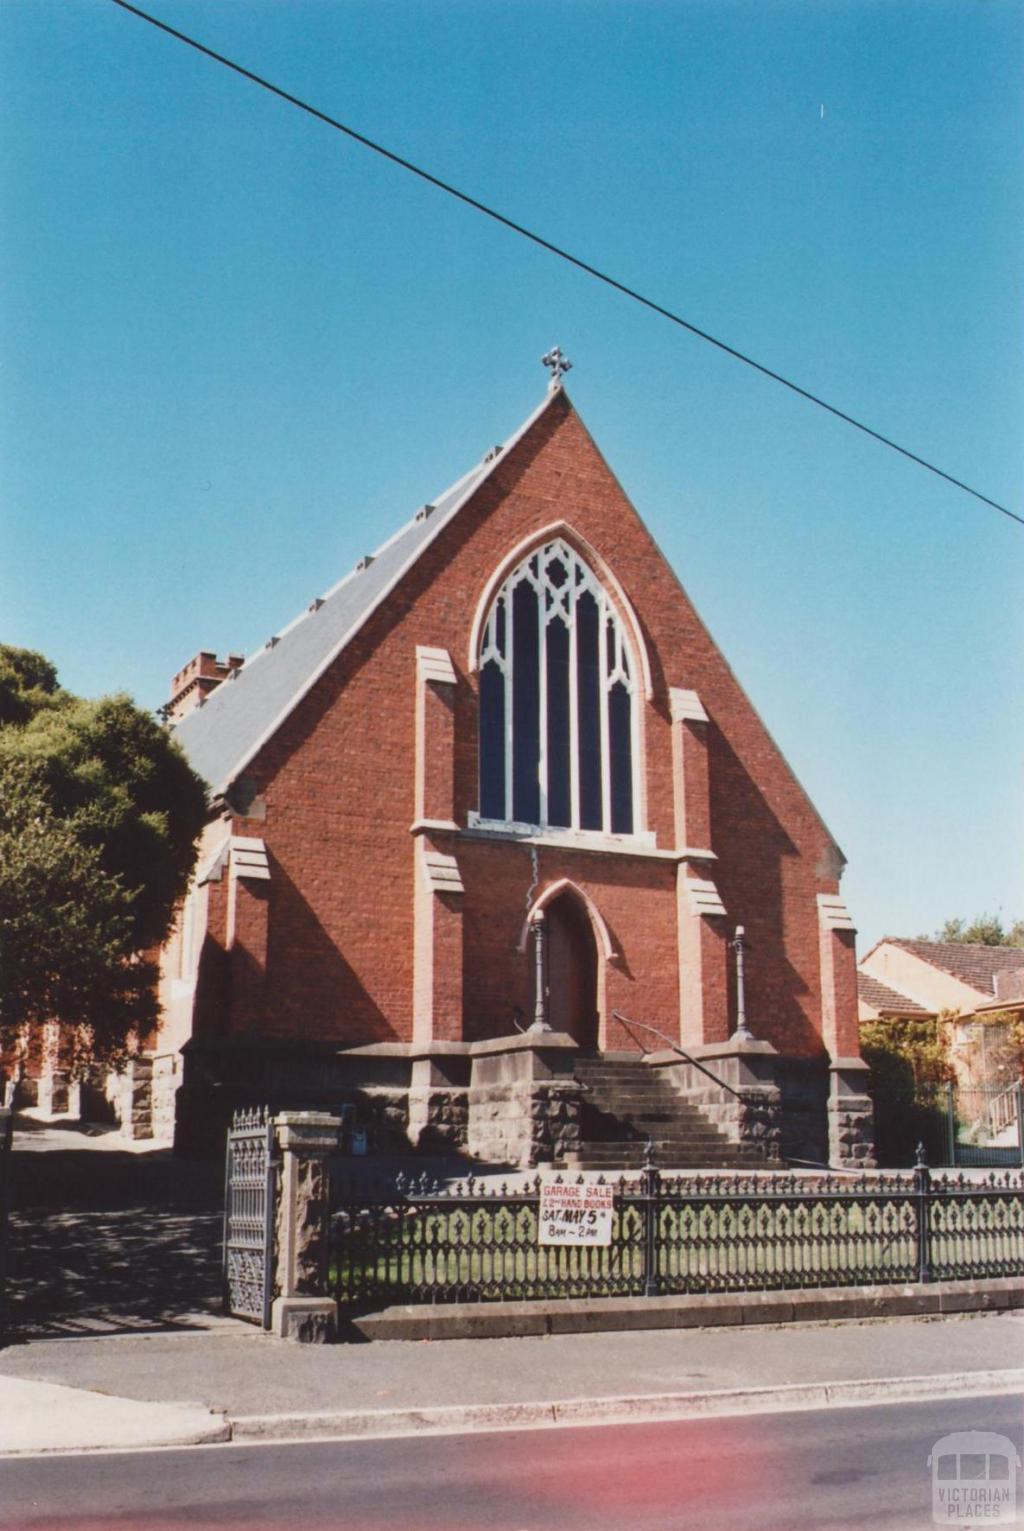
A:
(422, 1242)
(249, 1209)
(6, 1126)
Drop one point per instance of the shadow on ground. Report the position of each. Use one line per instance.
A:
(107, 1242)
(104, 1241)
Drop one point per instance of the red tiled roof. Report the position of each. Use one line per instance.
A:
(975, 966)
(887, 1001)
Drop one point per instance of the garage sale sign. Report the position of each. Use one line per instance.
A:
(574, 1213)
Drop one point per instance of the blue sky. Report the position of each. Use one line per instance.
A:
(239, 350)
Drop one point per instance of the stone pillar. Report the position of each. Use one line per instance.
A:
(703, 953)
(838, 961)
(248, 930)
(136, 1094)
(55, 1092)
(59, 1092)
(438, 1097)
(302, 1309)
(691, 787)
(851, 1117)
(704, 963)
(851, 1121)
(165, 1081)
(743, 1099)
(435, 737)
(437, 945)
(437, 889)
(524, 1103)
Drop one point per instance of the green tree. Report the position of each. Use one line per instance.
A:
(100, 814)
(920, 1043)
(983, 930)
(28, 682)
(909, 1063)
(65, 933)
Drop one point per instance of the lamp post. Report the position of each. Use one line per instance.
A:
(742, 1032)
(540, 1005)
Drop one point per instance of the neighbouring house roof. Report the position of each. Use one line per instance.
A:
(222, 736)
(974, 965)
(871, 991)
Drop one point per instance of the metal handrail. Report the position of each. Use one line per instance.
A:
(1003, 1108)
(625, 1021)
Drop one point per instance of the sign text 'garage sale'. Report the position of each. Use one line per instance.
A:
(574, 1214)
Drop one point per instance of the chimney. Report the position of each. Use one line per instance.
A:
(1009, 984)
(194, 682)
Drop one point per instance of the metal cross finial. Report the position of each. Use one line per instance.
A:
(558, 365)
(739, 946)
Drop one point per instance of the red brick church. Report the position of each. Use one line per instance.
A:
(485, 818)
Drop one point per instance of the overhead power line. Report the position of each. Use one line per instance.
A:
(563, 254)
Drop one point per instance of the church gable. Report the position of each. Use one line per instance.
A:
(510, 727)
(547, 482)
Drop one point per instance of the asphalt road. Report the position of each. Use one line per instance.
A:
(839, 1468)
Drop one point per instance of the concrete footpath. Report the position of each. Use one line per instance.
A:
(222, 1380)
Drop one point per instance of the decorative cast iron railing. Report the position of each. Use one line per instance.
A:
(418, 1241)
(249, 1208)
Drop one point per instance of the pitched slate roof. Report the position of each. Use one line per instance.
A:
(222, 736)
(974, 965)
(885, 1000)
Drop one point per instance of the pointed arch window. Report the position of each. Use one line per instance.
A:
(558, 701)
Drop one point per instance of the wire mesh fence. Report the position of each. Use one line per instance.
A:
(984, 1125)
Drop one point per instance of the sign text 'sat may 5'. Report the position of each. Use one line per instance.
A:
(574, 1214)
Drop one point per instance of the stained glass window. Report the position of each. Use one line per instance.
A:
(557, 700)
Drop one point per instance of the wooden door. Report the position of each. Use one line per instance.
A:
(571, 971)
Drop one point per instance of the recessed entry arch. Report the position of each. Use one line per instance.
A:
(577, 950)
(602, 935)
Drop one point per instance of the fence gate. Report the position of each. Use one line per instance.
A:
(984, 1126)
(6, 1121)
(249, 1184)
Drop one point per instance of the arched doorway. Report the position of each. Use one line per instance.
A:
(571, 971)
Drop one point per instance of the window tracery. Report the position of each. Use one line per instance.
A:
(557, 700)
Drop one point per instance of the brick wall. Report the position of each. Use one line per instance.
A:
(339, 787)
